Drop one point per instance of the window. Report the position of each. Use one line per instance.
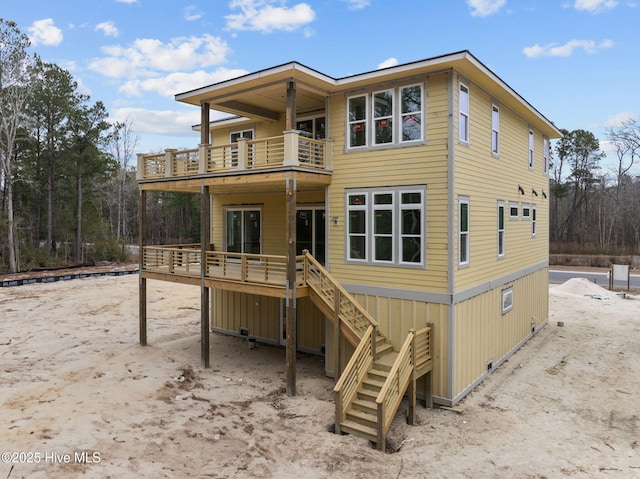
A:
(391, 121)
(233, 138)
(526, 211)
(244, 230)
(463, 231)
(533, 220)
(463, 106)
(545, 149)
(386, 226)
(530, 149)
(513, 210)
(500, 229)
(383, 117)
(495, 130)
(357, 121)
(507, 299)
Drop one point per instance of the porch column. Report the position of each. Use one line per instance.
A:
(205, 137)
(290, 116)
(205, 233)
(291, 321)
(142, 281)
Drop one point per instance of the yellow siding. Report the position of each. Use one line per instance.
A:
(475, 169)
(482, 333)
(416, 165)
(397, 317)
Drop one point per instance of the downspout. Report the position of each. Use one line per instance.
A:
(451, 243)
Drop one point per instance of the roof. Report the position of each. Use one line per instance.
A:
(261, 95)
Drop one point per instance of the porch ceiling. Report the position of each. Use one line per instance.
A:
(271, 181)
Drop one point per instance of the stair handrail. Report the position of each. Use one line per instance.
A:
(350, 379)
(358, 319)
(395, 385)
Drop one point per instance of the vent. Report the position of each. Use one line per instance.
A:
(244, 332)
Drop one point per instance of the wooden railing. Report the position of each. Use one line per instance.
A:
(351, 313)
(184, 260)
(360, 362)
(290, 149)
(415, 351)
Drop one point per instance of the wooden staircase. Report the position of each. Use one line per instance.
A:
(371, 387)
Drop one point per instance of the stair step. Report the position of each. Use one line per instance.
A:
(362, 417)
(366, 405)
(372, 384)
(357, 429)
(367, 394)
(383, 349)
(378, 375)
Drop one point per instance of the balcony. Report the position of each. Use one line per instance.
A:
(259, 273)
(290, 149)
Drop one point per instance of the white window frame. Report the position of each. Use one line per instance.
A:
(369, 122)
(464, 107)
(397, 235)
(364, 121)
(501, 230)
(531, 142)
(534, 221)
(545, 150)
(526, 211)
(495, 130)
(464, 200)
(512, 205)
(507, 299)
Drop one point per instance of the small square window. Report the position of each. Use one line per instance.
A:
(514, 211)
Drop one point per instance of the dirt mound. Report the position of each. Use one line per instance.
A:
(581, 287)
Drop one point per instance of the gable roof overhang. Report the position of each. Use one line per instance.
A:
(262, 95)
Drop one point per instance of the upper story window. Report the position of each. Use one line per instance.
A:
(500, 229)
(386, 226)
(463, 231)
(530, 149)
(495, 130)
(463, 106)
(243, 227)
(513, 210)
(545, 150)
(387, 117)
(533, 220)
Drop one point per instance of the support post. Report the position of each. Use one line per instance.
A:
(142, 281)
(290, 114)
(205, 222)
(411, 416)
(291, 322)
(204, 123)
(336, 335)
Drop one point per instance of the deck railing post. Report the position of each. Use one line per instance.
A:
(169, 156)
(291, 153)
(140, 172)
(336, 333)
(243, 153)
(411, 415)
(203, 163)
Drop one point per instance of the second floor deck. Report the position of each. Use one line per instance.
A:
(291, 149)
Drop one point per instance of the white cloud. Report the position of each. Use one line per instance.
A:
(146, 56)
(566, 50)
(191, 13)
(484, 8)
(389, 62)
(178, 82)
(618, 119)
(44, 32)
(264, 16)
(159, 122)
(126, 1)
(595, 6)
(108, 28)
(358, 4)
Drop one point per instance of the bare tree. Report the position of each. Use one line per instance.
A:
(15, 70)
(122, 145)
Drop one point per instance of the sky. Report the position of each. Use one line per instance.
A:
(576, 61)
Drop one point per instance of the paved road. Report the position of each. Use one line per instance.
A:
(601, 279)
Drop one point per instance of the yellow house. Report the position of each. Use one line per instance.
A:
(395, 221)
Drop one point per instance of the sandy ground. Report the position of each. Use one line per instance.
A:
(80, 398)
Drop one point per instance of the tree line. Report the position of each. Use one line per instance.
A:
(592, 209)
(68, 192)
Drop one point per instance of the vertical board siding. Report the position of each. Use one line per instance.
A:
(396, 317)
(483, 333)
